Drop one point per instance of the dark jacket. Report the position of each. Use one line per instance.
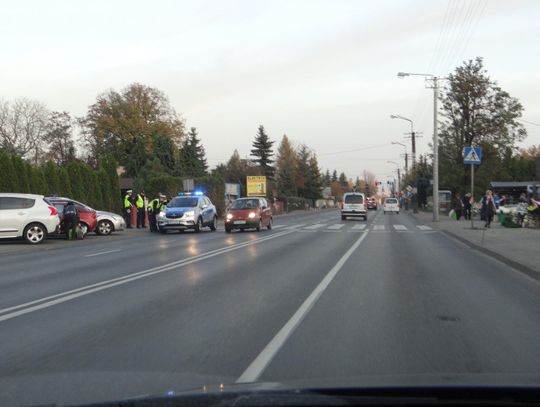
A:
(488, 206)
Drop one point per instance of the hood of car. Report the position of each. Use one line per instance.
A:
(105, 213)
(242, 213)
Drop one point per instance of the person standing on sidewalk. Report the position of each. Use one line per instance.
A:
(467, 206)
(457, 205)
(488, 208)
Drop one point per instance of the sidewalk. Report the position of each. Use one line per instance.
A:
(516, 247)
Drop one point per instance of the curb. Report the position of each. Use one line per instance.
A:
(529, 272)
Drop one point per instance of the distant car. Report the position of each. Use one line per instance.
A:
(354, 204)
(28, 216)
(391, 205)
(188, 211)
(108, 222)
(87, 215)
(372, 203)
(248, 213)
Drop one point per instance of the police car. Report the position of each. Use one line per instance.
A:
(188, 211)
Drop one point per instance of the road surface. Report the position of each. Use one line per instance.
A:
(316, 297)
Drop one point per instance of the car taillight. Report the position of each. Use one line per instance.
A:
(53, 210)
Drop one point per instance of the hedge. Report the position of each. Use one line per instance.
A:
(98, 188)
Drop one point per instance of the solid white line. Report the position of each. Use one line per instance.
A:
(82, 291)
(261, 362)
(400, 227)
(336, 226)
(100, 253)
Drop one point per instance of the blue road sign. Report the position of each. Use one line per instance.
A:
(472, 155)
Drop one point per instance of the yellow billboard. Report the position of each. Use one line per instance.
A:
(256, 185)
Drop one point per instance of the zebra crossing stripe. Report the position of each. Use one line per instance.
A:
(359, 227)
(278, 226)
(400, 227)
(336, 226)
(378, 227)
(423, 227)
(316, 226)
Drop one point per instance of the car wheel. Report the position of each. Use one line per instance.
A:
(269, 226)
(104, 228)
(213, 225)
(199, 225)
(227, 230)
(34, 233)
(259, 226)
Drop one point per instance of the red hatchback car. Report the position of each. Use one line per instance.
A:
(248, 213)
(88, 216)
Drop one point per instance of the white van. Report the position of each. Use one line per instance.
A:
(354, 204)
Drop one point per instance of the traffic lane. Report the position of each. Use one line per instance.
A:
(133, 241)
(207, 318)
(416, 303)
(9, 247)
(31, 278)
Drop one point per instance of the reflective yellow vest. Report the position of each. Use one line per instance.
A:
(140, 201)
(127, 202)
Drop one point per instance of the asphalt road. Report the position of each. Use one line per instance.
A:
(315, 298)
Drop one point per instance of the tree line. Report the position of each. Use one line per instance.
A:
(138, 129)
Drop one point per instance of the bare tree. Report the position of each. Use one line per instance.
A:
(59, 138)
(22, 126)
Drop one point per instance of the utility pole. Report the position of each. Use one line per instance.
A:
(435, 150)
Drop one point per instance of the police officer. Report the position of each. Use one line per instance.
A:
(71, 220)
(154, 207)
(139, 203)
(127, 207)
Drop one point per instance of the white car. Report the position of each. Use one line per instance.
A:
(28, 216)
(354, 204)
(391, 205)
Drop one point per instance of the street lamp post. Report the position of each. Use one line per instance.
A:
(413, 138)
(406, 156)
(435, 87)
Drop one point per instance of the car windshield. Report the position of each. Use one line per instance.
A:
(354, 199)
(245, 204)
(300, 194)
(183, 202)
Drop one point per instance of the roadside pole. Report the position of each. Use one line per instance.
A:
(472, 156)
(472, 194)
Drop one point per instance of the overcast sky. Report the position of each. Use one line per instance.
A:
(322, 72)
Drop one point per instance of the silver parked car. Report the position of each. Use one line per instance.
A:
(28, 216)
(108, 222)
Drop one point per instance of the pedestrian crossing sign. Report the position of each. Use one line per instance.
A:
(472, 155)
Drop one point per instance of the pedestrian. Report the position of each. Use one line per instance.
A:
(154, 208)
(488, 208)
(127, 207)
(466, 202)
(496, 199)
(457, 205)
(139, 203)
(71, 220)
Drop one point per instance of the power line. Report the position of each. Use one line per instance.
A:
(528, 122)
(355, 149)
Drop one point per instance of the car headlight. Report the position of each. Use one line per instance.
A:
(251, 215)
(189, 214)
(229, 216)
(162, 214)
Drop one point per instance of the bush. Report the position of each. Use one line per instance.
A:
(293, 203)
